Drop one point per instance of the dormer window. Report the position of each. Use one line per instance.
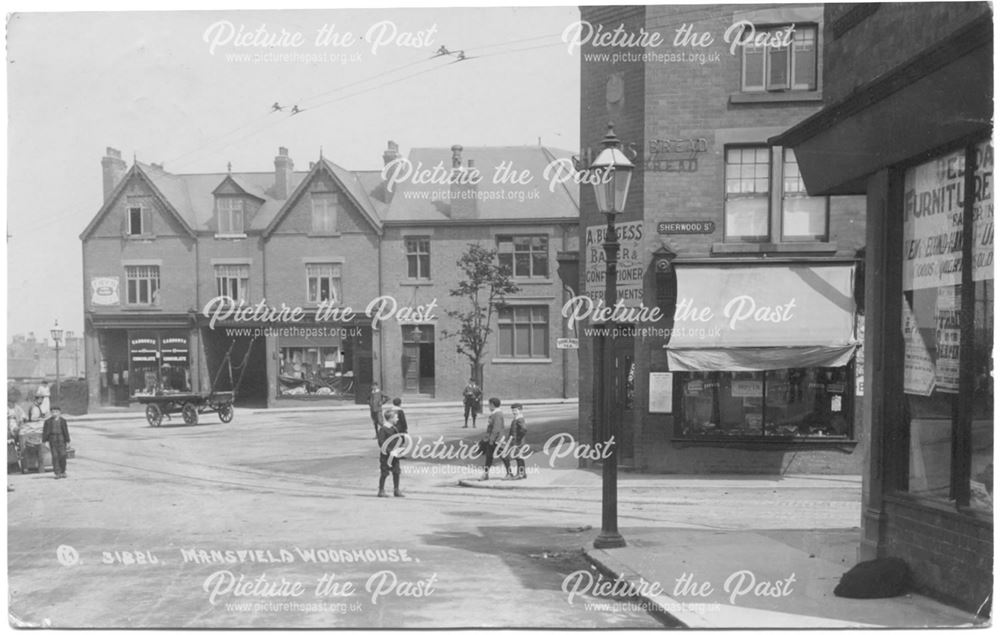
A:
(230, 216)
(324, 212)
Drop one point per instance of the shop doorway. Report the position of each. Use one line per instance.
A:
(418, 359)
(114, 367)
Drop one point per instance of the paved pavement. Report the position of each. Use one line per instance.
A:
(155, 526)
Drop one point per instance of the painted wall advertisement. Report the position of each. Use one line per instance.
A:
(104, 291)
(932, 220)
(630, 266)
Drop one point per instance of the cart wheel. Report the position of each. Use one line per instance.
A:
(190, 414)
(153, 414)
(226, 413)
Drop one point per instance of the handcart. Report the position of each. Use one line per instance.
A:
(33, 454)
(191, 404)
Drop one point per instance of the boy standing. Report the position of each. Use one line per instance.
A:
(494, 433)
(388, 458)
(56, 433)
(515, 438)
(471, 397)
(397, 406)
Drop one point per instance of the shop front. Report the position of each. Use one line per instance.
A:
(916, 139)
(759, 372)
(137, 356)
(318, 362)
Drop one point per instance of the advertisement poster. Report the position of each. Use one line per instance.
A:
(948, 337)
(932, 220)
(918, 366)
(301, 309)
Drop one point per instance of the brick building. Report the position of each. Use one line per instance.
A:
(719, 225)
(164, 249)
(427, 228)
(907, 122)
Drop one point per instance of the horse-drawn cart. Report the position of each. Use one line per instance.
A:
(164, 403)
(188, 404)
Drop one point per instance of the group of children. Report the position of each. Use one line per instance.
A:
(499, 441)
(503, 443)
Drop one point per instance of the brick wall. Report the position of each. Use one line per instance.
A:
(880, 41)
(510, 381)
(290, 247)
(950, 555)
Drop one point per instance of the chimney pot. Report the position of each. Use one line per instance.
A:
(456, 156)
(282, 151)
(472, 163)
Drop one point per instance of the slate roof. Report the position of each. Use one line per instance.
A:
(426, 202)
(191, 196)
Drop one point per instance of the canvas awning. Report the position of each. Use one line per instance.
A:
(762, 317)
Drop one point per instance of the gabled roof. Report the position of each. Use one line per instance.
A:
(427, 202)
(162, 189)
(347, 181)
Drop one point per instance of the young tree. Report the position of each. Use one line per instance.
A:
(484, 287)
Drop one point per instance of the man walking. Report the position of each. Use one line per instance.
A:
(56, 433)
(472, 398)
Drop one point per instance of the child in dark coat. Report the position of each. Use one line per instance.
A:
(55, 432)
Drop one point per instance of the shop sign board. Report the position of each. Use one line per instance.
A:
(933, 198)
(631, 268)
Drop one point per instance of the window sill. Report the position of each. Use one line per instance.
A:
(230, 236)
(761, 248)
(323, 234)
(530, 281)
(776, 97)
(765, 443)
(521, 360)
(141, 307)
(140, 237)
(416, 283)
(945, 507)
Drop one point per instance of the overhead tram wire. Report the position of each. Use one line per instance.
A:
(271, 111)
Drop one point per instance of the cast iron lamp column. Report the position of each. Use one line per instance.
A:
(611, 173)
(57, 334)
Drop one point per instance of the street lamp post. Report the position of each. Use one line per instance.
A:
(611, 173)
(57, 334)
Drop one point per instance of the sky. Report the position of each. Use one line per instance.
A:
(166, 87)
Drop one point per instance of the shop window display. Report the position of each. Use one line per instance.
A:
(950, 426)
(795, 402)
(314, 371)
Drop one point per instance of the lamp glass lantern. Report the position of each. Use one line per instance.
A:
(57, 334)
(611, 174)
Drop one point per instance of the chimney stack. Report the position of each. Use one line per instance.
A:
(283, 168)
(113, 169)
(391, 153)
(464, 185)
